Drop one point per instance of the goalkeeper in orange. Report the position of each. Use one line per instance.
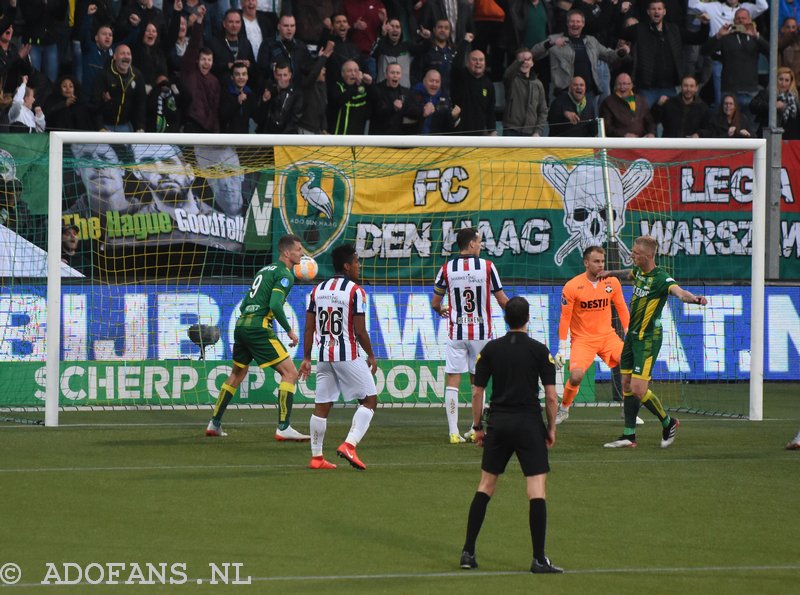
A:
(586, 313)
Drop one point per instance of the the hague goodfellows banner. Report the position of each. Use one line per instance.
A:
(537, 209)
(129, 345)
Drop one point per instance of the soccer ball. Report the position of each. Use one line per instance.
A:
(306, 269)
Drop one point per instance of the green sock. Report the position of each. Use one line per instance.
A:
(225, 395)
(654, 406)
(285, 401)
(630, 406)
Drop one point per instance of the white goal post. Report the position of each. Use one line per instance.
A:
(56, 156)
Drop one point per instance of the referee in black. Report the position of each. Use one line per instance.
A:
(515, 363)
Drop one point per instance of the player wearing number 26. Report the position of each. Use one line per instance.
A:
(469, 282)
(255, 339)
(335, 327)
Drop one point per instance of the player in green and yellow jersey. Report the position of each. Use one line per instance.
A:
(255, 339)
(652, 285)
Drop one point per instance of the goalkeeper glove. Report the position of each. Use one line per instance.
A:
(561, 358)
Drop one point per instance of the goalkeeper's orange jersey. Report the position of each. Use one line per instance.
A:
(586, 307)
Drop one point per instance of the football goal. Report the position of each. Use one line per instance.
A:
(172, 228)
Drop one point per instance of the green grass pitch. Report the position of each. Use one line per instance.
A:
(718, 512)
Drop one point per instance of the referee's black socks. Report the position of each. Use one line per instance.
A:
(537, 519)
(477, 512)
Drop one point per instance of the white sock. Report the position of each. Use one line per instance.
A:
(451, 408)
(797, 438)
(317, 426)
(361, 420)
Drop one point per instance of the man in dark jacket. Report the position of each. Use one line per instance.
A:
(232, 46)
(739, 45)
(237, 102)
(285, 47)
(118, 97)
(314, 118)
(96, 50)
(350, 101)
(459, 14)
(473, 92)
(571, 114)
(281, 103)
(257, 26)
(202, 87)
(392, 49)
(389, 102)
(683, 115)
(134, 13)
(658, 52)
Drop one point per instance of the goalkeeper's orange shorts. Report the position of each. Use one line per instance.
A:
(583, 351)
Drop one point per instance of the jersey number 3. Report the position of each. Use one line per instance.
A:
(468, 296)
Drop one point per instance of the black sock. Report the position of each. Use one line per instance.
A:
(538, 522)
(477, 512)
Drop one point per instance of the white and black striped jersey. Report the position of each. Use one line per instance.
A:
(469, 282)
(335, 303)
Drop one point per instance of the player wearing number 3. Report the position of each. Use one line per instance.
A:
(336, 316)
(469, 282)
(255, 339)
(586, 313)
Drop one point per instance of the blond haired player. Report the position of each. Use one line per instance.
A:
(652, 285)
(586, 302)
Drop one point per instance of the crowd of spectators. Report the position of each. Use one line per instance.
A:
(677, 68)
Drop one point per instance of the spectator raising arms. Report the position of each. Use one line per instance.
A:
(389, 102)
(281, 103)
(350, 100)
(202, 86)
(23, 116)
(526, 102)
(474, 92)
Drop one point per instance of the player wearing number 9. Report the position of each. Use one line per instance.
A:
(335, 327)
(469, 282)
(255, 339)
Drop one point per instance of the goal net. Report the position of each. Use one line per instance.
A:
(172, 228)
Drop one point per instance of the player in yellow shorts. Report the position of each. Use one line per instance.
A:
(586, 302)
(255, 339)
(652, 285)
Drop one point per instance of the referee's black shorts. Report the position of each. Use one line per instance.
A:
(521, 432)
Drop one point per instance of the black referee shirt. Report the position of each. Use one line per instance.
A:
(515, 362)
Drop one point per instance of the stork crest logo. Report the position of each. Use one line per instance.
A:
(315, 202)
(586, 212)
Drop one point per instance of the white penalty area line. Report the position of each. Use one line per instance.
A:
(488, 574)
(692, 419)
(473, 574)
(303, 468)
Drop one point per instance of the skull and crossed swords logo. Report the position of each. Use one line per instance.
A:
(586, 215)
